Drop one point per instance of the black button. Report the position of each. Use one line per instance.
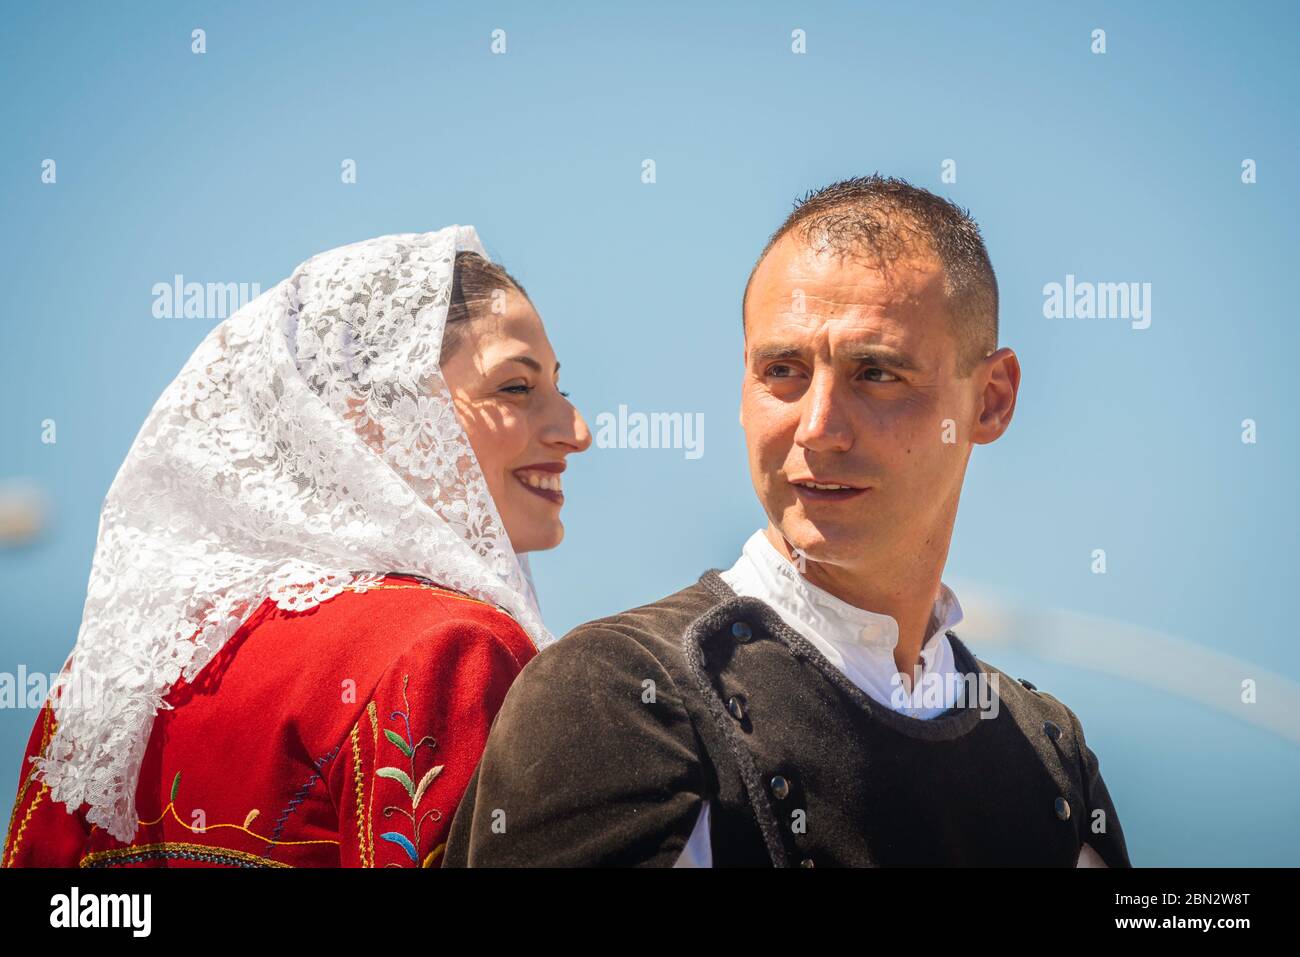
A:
(1029, 684)
(741, 631)
(1052, 730)
(1063, 809)
(807, 862)
(736, 707)
(780, 787)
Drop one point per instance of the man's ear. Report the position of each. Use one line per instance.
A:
(1000, 374)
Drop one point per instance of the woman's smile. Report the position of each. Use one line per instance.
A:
(543, 479)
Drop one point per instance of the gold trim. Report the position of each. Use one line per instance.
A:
(11, 852)
(360, 788)
(441, 590)
(120, 852)
(370, 812)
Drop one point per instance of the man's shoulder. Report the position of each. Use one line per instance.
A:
(1027, 699)
(631, 638)
(603, 670)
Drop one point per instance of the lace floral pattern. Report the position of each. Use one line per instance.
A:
(310, 443)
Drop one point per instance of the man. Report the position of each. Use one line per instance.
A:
(811, 705)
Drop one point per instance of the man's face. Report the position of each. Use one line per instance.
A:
(850, 374)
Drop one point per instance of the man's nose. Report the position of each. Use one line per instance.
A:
(823, 425)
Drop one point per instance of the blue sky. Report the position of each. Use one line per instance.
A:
(1117, 167)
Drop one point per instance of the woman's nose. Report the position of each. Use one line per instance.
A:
(571, 430)
(581, 433)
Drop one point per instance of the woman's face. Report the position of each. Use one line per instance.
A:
(504, 380)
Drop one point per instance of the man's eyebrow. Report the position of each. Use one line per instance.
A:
(881, 356)
(774, 353)
(886, 358)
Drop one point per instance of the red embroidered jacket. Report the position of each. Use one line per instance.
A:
(340, 736)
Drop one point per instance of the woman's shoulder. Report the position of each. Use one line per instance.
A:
(416, 609)
(418, 599)
(369, 626)
(408, 606)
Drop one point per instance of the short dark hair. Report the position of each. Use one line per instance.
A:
(884, 218)
(474, 282)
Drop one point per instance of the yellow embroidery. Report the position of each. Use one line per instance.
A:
(436, 589)
(171, 806)
(10, 852)
(360, 788)
(18, 838)
(428, 861)
(370, 813)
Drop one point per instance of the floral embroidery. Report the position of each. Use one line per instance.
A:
(410, 748)
(249, 818)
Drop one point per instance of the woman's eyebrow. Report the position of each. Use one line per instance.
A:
(531, 363)
(528, 361)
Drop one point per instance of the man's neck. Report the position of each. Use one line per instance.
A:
(907, 598)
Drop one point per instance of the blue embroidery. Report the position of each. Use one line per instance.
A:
(299, 796)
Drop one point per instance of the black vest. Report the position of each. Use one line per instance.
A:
(811, 771)
(586, 766)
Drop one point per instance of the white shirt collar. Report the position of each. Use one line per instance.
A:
(766, 573)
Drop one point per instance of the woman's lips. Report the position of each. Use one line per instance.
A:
(543, 480)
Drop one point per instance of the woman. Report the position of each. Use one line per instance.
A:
(309, 594)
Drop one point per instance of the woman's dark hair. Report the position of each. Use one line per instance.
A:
(476, 284)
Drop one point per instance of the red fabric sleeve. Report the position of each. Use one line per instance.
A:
(405, 764)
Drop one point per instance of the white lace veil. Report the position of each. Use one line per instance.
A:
(310, 443)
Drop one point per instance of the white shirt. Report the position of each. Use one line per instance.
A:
(858, 642)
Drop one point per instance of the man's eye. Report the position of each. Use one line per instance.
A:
(872, 377)
(778, 373)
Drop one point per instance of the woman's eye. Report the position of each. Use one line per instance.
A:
(517, 389)
(565, 394)
(876, 369)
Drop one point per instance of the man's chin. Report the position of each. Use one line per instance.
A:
(827, 545)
